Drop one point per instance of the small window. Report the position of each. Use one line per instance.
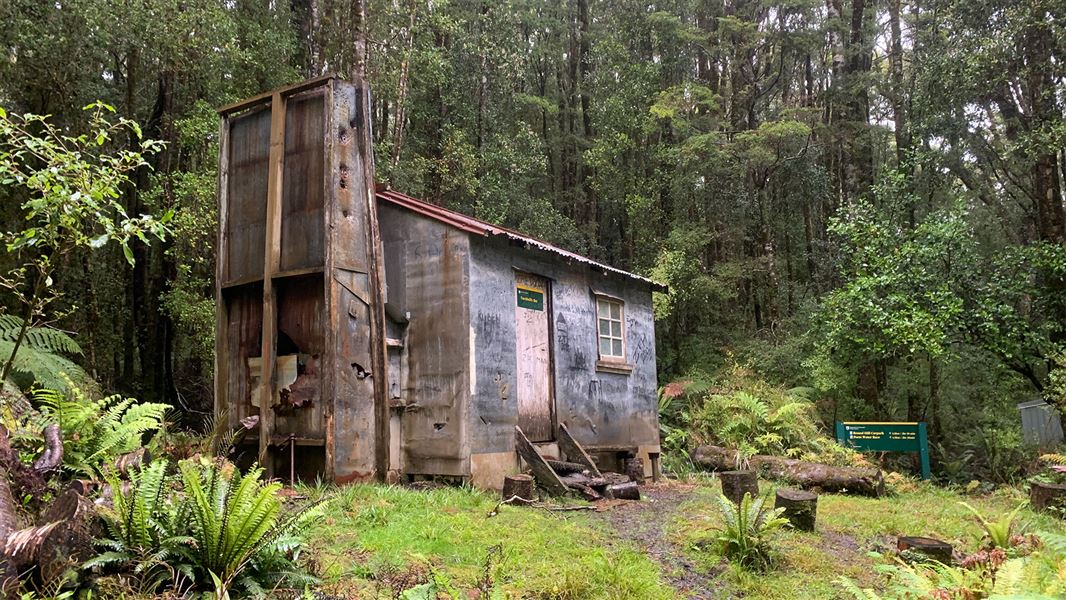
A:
(611, 335)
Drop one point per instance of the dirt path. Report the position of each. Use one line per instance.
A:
(643, 524)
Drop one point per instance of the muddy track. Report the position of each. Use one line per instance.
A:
(643, 525)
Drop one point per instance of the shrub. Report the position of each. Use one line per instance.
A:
(746, 529)
(771, 422)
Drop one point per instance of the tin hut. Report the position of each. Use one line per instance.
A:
(403, 339)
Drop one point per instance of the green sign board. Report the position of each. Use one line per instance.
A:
(877, 436)
(530, 298)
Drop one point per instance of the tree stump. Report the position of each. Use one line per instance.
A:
(937, 550)
(624, 491)
(800, 507)
(519, 487)
(634, 468)
(736, 483)
(1047, 495)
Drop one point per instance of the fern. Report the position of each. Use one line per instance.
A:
(95, 432)
(43, 355)
(235, 520)
(1054, 458)
(746, 529)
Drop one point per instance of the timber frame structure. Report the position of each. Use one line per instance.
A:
(299, 287)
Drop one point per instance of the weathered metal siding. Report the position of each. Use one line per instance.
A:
(1041, 424)
(599, 408)
(299, 276)
(427, 275)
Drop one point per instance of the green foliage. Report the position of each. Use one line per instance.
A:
(207, 528)
(911, 581)
(40, 359)
(1041, 575)
(745, 534)
(758, 418)
(240, 535)
(998, 532)
(96, 432)
(145, 531)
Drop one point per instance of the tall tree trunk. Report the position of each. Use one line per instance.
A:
(898, 94)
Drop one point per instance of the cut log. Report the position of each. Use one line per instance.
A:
(1047, 495)
(625, 491)
(737, 483)
(800, 507)
(634, 468)
(562, 467)
(574, 452)
(8, 507)
(935, 549)
(66, 534)
(545, 476)
(52, 456)
(853, 480)
(519, 487)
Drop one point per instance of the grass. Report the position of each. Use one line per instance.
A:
(849, 528)
(376, 541)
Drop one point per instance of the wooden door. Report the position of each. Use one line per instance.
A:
(533, 349)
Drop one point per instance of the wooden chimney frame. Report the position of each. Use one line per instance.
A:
(353, 397)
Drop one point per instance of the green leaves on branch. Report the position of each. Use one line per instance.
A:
(74, 182)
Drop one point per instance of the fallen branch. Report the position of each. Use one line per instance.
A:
(854, 480)
(52, 456)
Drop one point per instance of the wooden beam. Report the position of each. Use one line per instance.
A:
(574, 452)
(546, 477)
(269, 96)
(222, 402)
(271, 264)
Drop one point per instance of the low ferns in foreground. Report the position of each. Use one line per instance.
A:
(206, 528)
(746, 529)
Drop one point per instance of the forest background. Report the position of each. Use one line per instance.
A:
(860, 200)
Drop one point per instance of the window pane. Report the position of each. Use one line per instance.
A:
(616, 329)
(605, 347)
(605, 327)
(616, 348)
(616, 310)
(603, 308)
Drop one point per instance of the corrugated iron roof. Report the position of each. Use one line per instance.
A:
(484, 228)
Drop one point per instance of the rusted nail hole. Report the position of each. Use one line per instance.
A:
(438, 426)
(360, 372)
(344, 176)
(342, 135)
(353, 123)
(345, 213)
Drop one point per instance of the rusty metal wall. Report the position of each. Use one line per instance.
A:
(244, 229)
(599, 408)
(298, 276)
(427, 265)
(357, 377)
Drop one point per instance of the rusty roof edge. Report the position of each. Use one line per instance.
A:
(486, 229)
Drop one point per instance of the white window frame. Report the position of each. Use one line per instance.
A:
(611, 321)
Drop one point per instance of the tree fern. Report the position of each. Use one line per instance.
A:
(43, 355)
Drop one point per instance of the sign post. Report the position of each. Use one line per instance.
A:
(877, 436)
